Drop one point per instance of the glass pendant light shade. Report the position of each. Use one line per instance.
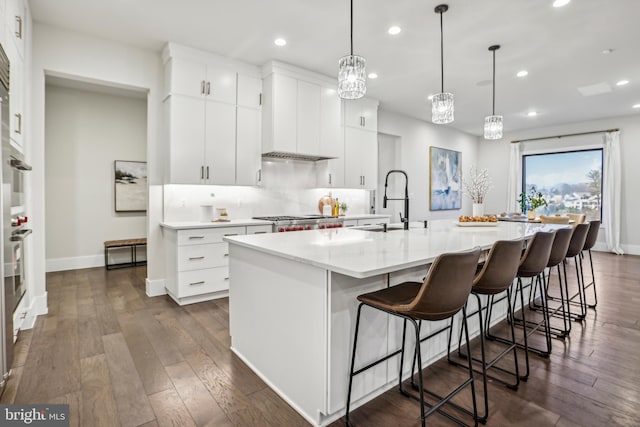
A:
(352, 83)
(493, 127)
(442, 108)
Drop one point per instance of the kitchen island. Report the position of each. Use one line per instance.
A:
(292, 305)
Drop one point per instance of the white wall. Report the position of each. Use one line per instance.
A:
(416, 137)
(85, 132)
(494, 155)
(64, 53)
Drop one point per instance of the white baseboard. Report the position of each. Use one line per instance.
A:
(155, 287)
(38, 306)
(628, 249)
(74, 263)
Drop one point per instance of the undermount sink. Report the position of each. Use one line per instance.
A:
(380, 228)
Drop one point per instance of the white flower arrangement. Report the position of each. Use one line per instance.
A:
(477, 185)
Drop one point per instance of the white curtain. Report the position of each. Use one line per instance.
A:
(611, 191)
(513, 186)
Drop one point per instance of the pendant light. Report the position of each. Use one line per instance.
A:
(442, 103)
(351, 75)
(493, 123)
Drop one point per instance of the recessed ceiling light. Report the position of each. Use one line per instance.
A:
(522, 73)
(532, 113)
(622, 83)
(372, 76)
(394, 30)
(636, 106)
(560, 3)
(280, 42)
(607, 51)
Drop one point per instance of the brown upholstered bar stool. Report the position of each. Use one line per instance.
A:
(576, 244)
(592, 237)
(532, 265)
(495, 277)
(441, 295)
(557, 256)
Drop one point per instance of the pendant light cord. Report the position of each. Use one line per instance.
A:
(493, 108)
(351, 27)
(441, 56)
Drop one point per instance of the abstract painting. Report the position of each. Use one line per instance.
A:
(130, 181)
(444, 179)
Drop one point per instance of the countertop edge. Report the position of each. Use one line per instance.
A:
(186, 225)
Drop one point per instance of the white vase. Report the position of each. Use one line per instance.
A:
(478, 209)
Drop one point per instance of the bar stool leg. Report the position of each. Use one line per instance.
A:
(404, 333)
(583, 310)
(593, 283)
(353, 360)
(525, 377)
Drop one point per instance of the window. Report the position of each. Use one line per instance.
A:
(570, 182)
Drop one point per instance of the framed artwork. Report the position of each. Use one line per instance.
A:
(445, 179)
(130, 183)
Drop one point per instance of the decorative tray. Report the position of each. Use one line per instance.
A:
(475, 224)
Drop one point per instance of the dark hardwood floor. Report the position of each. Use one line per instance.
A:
(120, 358)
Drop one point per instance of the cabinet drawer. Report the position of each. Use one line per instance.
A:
(199, 282)
(350, 223)
(200, 236)
(258, 229)
(196, 257)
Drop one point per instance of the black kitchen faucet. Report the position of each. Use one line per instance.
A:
(404, 220)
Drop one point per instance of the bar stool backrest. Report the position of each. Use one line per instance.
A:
(445, 288)
(592, 235)
(554, 219)
(577, 218)
(560, 246)
(535, 258)
(500, 267)
(577, 240)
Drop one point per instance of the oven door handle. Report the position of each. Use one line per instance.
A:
(19, 235)
(20, 165)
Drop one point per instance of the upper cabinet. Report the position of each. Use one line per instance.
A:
(13, 42)
(300, 113)
(361, 113)
(15, 24)
(212, 110)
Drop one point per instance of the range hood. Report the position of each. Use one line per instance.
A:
(294, 156)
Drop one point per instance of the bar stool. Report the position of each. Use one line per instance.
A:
(441, 295)
(576, 244)
(557, 256)
(495, 277)
(532, 265)
(592, 237)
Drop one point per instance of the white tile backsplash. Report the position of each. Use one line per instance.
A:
(287, 189)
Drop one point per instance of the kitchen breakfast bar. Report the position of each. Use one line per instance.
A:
(292, 305)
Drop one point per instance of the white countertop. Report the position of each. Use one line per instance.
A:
(360, 253)
(185, 225)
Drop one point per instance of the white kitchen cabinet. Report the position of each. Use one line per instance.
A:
(15, 24)
(330, 173)
(249, 149)
(360, 158)
(249, 91)
(16, 94)
(3, 22)
(197, 262)
(202, 141)
(202, 80)
(361, 113)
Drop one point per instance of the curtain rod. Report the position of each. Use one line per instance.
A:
(564, 136)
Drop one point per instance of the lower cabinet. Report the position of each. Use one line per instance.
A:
(198, 262)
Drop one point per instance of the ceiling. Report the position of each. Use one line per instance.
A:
(560, 47)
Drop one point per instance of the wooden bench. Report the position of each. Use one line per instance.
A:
(125, 243)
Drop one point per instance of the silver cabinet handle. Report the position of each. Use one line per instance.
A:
(19, 164)
(260, 99)
(19, 27)
(226, 278)
(197, 283)
(208, 88)
(19, 124)
(364, 121)
(226, 254)
(195, 237)
(364, 180)
(329, 179)
(231, 234)
(201, 172)
(193, 258)
(260, 232)
(202, 87)
(259, 175)
(207, 172)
